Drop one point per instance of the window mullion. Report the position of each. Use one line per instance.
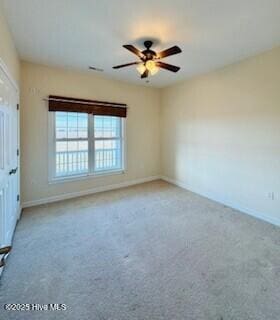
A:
(67, 148)
(71, 139)
(121, 144)
(107, 139)
(91, 142)
(54, 145)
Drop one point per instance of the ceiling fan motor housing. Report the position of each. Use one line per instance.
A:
(148, 53)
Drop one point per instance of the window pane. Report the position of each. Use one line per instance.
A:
(61, 119)
(107, 155)
(82, 125)
(61, 125)
(71, 155)
(71, 125)
(61, 132)
(106, 127)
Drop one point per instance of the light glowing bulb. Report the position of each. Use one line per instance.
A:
(141, 68)
(151, 66)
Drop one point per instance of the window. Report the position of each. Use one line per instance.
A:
(71, 143)
(107, 143)
(85, 144)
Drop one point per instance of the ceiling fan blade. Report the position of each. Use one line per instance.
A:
(145, 74)
(167, 66)
(95, 69)
(126, 65)
(169, 52)
(133, 50)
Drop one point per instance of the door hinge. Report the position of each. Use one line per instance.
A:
(17, 152)
(18, 197)
(17, 106)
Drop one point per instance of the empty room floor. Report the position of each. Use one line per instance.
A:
(151, 251)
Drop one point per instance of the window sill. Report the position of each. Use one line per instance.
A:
(86, 176)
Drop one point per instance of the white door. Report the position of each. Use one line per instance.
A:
(9, 181)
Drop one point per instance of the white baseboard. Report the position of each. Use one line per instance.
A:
(226, 202)
(33, 203)
(183, 185)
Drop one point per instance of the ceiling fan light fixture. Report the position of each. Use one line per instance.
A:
(151, 66)
(141, 68)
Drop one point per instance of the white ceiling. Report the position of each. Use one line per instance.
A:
(79, 33)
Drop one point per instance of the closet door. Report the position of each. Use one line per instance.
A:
(9, 182)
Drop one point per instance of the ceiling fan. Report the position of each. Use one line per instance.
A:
(150, 60)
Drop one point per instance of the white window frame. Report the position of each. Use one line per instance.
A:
(52, 178)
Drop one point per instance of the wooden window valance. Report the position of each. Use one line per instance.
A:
(101, 108)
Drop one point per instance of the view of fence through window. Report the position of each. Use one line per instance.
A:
(107, 148)
(86, 143)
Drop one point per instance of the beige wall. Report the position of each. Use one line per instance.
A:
(8, 53)
(221, 134)
(142, 127)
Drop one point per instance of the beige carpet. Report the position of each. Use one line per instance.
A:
(152, 251)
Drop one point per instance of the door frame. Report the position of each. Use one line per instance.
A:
(7, 72)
